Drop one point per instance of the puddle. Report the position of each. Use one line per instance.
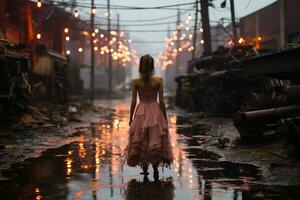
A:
(94, 168)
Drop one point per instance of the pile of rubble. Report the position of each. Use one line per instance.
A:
(263, 102)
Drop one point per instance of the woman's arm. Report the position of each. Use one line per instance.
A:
(161, 98)
(133, 100)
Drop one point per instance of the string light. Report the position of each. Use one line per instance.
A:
(259, 38)
(76, 14)
(201, 29)
(101, 35)
(38, 36)
(68, 52)
(39, 3)
(230, 43)
(202, 41)
(242, 41)
(67, 38)
(66, 30)
(93, 34)
(94, 10)
(96, 30)
(95, 48)
(80, 49)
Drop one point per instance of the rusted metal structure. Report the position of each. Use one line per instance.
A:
(284, 64)
(14, 81)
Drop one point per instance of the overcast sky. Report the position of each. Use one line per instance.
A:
(242, 8)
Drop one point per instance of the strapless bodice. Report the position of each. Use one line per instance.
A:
(148, 96)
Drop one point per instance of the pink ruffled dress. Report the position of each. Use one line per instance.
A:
(149, 139)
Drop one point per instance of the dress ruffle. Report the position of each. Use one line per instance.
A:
(149, 139)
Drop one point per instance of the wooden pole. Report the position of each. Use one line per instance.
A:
(178, 43)
(206, 27)
(234, 31)
(92, 83)
(109, 47)
(195, 29)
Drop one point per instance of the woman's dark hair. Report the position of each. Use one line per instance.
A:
(146, 68)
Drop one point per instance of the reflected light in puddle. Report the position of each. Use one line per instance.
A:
(37, 193)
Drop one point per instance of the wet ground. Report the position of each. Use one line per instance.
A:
(92, 166)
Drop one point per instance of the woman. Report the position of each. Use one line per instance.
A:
(149, 140)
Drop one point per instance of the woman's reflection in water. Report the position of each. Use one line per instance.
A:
(157, 189)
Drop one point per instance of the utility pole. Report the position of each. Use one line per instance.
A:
(119, 71)
(73, 5)
(195, 29)
(168, 32)
(206, 27)
(92, 86)
(234, 31)
(109, 47)
(178, 43)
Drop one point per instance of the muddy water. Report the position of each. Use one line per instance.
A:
(94, 167)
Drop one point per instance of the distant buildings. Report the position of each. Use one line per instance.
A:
(274, 25)
(53, 29)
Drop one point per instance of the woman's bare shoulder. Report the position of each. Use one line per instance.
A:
(135, 80)
(157, 78)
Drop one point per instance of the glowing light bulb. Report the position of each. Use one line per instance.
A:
(80, 49)
(68, 52)
(94, 10)
(76, 14)
(101, 36)
(67, 38)
(39, 3)
(202, 41)
(38, 36)
(95, 48)
(66, 30)
(96, 30)
(241, 41)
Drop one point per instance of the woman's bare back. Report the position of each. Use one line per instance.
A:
(151, 84)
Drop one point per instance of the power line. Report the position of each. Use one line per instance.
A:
(153, 41)
(145, 20)
(150, 31)
(118, 7)
(152, 24)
